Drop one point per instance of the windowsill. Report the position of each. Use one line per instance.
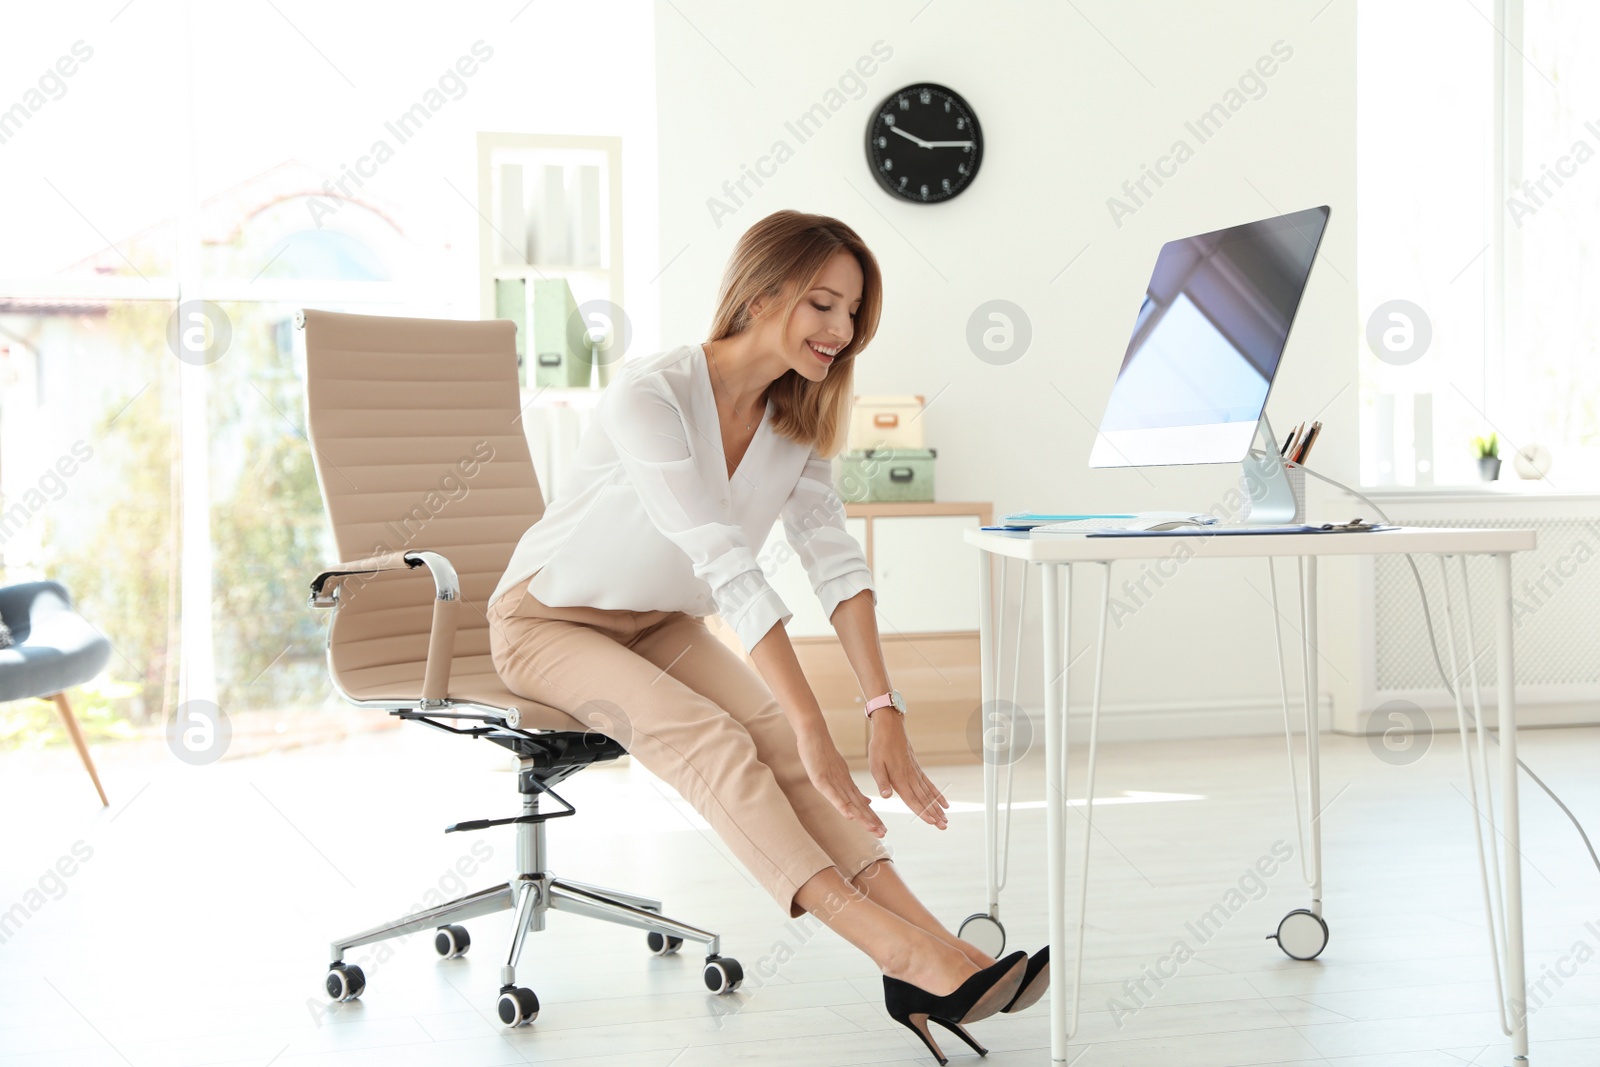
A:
(1512, 489)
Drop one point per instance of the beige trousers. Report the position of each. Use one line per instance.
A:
(695, 714)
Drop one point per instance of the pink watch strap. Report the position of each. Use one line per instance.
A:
(879, 702)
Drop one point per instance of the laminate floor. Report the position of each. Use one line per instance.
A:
(193, 925)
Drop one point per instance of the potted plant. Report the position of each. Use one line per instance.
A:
(1488, 450)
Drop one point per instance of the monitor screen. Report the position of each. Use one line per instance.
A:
(1207, 342)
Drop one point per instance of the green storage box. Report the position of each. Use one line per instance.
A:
(560, 346)
(511, 302)
(878, 475)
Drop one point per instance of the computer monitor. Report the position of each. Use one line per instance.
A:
(1207, 342)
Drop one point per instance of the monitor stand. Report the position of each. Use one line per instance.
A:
(1270, 499)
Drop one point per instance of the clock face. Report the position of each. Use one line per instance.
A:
(924, 144)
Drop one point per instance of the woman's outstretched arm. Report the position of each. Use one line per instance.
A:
(774, 657)
(894, 766)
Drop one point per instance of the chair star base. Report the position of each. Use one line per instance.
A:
(531, 892)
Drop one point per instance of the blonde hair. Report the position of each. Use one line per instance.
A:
(789, 249)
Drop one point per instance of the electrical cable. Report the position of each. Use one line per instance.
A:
(1433, 643)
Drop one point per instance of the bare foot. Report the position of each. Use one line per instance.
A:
(931, 964)
(976, 955)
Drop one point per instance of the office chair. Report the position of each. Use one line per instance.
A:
(417, 437)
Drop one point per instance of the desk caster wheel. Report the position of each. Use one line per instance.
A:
(1302, 935)
(518, 1006)
(344, 982)
(664, 944)
(984, 932)
(451, 941)
(723, 974)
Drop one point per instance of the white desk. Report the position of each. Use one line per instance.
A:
(1056, 556)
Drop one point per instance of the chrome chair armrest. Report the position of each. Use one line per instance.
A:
(325, 586)
(446, 603)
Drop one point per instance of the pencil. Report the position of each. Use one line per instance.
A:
(1311, 439)
(1288, 442)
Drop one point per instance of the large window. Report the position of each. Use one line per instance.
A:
(1472, 283)
(88, 426)
(177, 171)
(1553, 212)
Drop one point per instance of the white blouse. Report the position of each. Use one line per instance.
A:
(653, 521)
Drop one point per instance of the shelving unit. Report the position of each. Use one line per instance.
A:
(518, 226)
(550, 207)
(502, 254)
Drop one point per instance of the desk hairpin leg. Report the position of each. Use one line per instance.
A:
(991, 799)
(1507, 701)
(1057, 609)
(1303, 933)
(1056, 630)
(1308, 602)
(1502, 897)
(999, 723)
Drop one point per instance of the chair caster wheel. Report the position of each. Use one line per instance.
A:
(664, 944)
(451, 941)
(723, 974)
(984, 932)
(1302, 935)
(518, 1006)
(345, 981)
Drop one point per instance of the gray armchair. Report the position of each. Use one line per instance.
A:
(54, 649)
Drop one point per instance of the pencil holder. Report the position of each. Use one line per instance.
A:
(1296, 475)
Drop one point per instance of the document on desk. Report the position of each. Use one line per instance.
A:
(1213, 531)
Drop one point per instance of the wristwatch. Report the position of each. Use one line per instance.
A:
(891, 698)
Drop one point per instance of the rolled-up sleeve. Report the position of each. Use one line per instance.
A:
(651, 437)
(813, 524)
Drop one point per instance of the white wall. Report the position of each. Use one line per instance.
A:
(1074, 100)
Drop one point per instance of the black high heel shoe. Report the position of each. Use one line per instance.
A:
(979, 997)
(961, 1032)
(1034, 982)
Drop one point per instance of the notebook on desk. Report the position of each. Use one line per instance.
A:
(1026, 520)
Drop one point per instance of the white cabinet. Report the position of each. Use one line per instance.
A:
(925, 573)
(925, 576)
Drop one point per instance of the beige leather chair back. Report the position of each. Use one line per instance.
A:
(417, 436)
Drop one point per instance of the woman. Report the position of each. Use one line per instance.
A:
(694, 454)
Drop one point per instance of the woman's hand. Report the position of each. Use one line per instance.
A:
(831, 775)
(895, 768)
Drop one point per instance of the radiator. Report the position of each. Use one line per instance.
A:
(1555, 605)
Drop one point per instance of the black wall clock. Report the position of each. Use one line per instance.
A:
(924, 143)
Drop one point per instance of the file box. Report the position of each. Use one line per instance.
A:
(878, 422)
(875, 475)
